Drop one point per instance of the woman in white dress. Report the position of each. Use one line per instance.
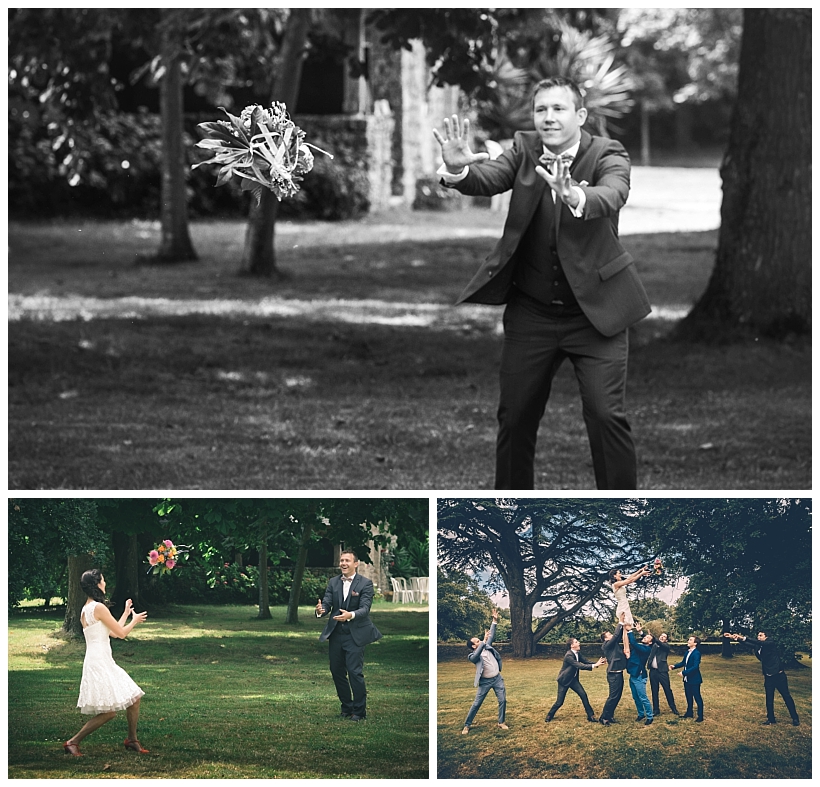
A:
(105, 688)
(619, 583)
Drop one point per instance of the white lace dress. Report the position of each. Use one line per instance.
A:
(623, 606)
(104, 686)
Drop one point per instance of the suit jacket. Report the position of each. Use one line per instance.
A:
(359, 599)
(660, 650)
(475, 656)
(691, 671)
(638, 655)
(600, 272)
(614, 651)
(570, 667)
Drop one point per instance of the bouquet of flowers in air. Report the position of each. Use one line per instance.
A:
(262, 147)
(658, 566)
(163, 557)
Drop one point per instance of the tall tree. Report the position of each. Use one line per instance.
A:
(54, 530)
(762, 276)
(555, 553)
(748, 562)
(259, 257)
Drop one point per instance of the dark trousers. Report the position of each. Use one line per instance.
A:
(347, 669)
(781, 683)
(659, 677)
(693, 693)
(562, 693)
(616, 689)
(537, 340)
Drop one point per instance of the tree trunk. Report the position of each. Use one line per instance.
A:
(762, 277)
(126, 569)
(77, 564)
(726, 650)
(264, 598)
(175, 245)
(292, 615)
(259, 258)
(523, 645)
(645, 157)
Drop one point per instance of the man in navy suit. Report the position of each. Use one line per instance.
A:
(691, 677)
(348, 598)
(568, 679)
(570, 287)
(487, 662)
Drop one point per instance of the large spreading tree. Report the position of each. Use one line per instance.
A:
(555, 553)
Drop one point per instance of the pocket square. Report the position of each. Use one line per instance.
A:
(353, 593)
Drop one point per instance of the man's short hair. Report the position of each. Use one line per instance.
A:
(570, 641)
(764, 632)
(349, 552)
(603, 635)
(558, 81)
(697, 639)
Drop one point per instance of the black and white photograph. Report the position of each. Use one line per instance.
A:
(419, 249)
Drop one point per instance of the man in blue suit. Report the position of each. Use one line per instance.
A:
(691, 677)
(487, 662)
(571, 289)
(636, 667)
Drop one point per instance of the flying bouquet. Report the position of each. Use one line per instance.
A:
(262, 147)
(163, 557)
(658, 566)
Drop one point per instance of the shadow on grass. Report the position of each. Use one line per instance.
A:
(230, 703)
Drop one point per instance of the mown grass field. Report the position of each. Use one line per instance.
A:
(234, 398)
(729, 744)
(227, 696)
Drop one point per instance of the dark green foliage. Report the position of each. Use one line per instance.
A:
(410, 558)
(42, 533)
(464, 609)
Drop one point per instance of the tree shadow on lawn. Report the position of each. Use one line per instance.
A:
(285, 403)
(256, 700)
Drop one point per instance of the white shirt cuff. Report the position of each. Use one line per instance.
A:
(353, 614)
(578, 211)
(449, 177)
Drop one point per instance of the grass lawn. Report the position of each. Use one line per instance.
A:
(226, 696)
(359, 375)
(729, 744)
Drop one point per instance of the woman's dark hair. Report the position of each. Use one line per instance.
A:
(89, 582)
(613, 573)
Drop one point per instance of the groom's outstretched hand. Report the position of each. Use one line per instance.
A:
(455, 146)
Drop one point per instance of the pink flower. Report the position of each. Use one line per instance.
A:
(168, 543)
(153, 557)
(170, 563)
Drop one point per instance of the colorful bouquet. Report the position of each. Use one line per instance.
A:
(163, 557)
(262, 147)
(658, 566)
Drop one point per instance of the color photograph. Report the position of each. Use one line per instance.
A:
(624, 638)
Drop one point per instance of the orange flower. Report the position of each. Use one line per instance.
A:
(161, 559)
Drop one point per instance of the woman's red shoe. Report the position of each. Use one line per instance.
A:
(134, 746)
(71, 748)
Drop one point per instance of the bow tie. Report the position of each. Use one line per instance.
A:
(548, 160)
(346, 579)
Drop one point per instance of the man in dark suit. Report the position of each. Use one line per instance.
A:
(348, 598)
(692, 679)
(568, 679)
(613, 648)
(570, 287)
(774, 676)
(659, 674)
